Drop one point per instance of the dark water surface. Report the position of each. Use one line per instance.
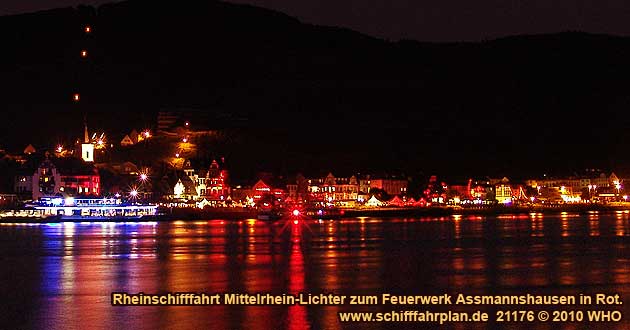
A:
(60, 276)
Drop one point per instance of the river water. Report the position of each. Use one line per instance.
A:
(61, 276)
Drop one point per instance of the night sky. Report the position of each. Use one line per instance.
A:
(447, 20)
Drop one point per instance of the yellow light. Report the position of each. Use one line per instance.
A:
(88, 29)
(84, 53)
(59, 148)
(76, 97)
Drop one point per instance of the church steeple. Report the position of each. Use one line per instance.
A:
(86, 135)
(87, 148)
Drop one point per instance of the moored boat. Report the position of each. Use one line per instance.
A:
(81, 209)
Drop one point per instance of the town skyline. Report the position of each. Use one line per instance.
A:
(164, 166)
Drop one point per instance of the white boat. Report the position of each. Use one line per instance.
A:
(82, 209)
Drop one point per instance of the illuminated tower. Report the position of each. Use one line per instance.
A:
(87, 148)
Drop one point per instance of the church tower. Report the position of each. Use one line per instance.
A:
(87, 148)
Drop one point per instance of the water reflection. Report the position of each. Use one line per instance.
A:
(67, 271)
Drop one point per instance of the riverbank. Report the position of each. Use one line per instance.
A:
(194, 214)
(494, 210)
(385, 212)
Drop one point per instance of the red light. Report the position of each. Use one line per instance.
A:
(296, 213)
(295, 222)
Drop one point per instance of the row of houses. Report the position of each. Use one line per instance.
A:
(209, 185)
(596, 187)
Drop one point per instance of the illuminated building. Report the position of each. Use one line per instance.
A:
(29, 149)
(503, 192)
(343, 190)
(592, 185)
(211, 186)
(178, 188)
(67, 176)
(126, 141)
(87, 148)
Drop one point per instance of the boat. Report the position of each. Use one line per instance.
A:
(58, 209)
(324, 212)
(270, 214)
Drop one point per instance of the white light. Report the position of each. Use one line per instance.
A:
(143, 177)
(296, 213)
(133, 193)
(69, 201)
